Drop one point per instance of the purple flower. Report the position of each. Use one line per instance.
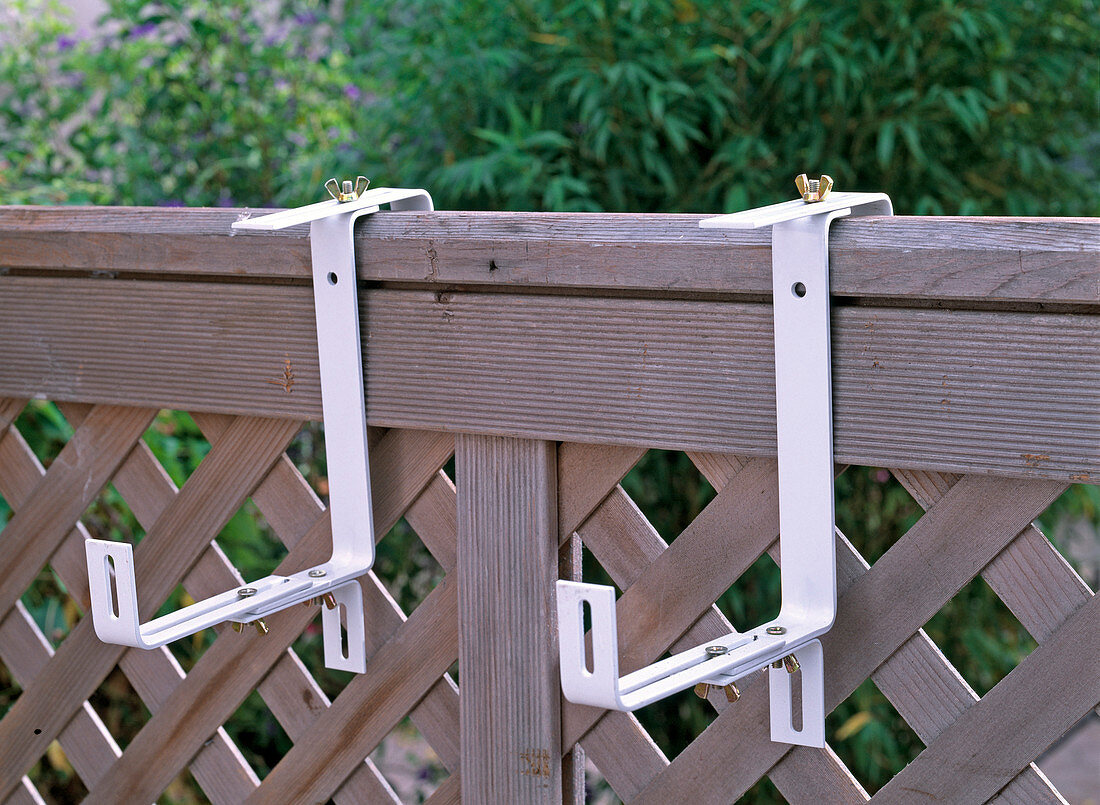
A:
(171, 202)
(308, 18)
(66, 43)
(142, 30)
(352, 92)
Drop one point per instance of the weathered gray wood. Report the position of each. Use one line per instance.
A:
(79, 472)
(25, 651)
(25, 794)
(211, 496)
(998, 259)
(1020, 717)
(507, 648)
(978, 392)
(230, 669)
(880, 611)
(219, 768)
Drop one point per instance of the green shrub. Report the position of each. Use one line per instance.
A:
(648, 105)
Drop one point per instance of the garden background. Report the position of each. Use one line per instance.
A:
(967, 108)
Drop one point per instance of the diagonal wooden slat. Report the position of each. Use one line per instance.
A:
(293, 696)
(711, 553)
(1035, 581)
(25, 794)
(73, 481)
(1021, 716)
(371, 729)
(10, 408)
(448, 793)
(879, 612)
(210, 497)
(587, 473)
(621, 537)
(228, 671)
(218, 767)
(85, 739)
(624, 753)
(371, 705)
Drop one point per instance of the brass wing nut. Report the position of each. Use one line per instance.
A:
(347, 191)
(813, 190)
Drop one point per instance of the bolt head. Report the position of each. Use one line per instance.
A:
(776, 630)
(316, 573)
(716, 651)
(246, 592)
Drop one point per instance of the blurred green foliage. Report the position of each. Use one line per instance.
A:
(641, 105)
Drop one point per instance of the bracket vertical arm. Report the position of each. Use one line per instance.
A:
(111, 564)
(800, 286)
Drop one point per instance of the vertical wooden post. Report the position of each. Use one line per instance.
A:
(572, 763)
(510, 697)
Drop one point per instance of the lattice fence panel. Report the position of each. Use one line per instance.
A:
(246, 460)
(977, 749)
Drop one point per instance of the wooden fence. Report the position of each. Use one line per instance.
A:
(546, 353)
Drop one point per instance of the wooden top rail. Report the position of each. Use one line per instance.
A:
(993, 260)
(961, 344)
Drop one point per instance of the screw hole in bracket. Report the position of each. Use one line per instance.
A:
(332, 278)
(799, 289)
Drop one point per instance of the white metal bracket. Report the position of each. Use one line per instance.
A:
(803, 390)
(115, 612)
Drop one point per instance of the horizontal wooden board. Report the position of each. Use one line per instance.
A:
(1005, 393)
(998, 260)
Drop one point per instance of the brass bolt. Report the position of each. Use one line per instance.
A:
(715, 651)
(261, 627)
(732, 693)
(777, 664)
(813, 190)
(702, 690)
(775, 630)
(330, 600)
(791, 664)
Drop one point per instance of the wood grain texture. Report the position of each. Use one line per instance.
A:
(74, 480)
(1021, 716)
(881, 610)
(372, 704)
(979, 392)
(25, 794)
(86, 741)
(9, 409)
(231, 668)
(507, 647)
(213, 493)
(219, 768)
(999, 259)
(626, 544)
